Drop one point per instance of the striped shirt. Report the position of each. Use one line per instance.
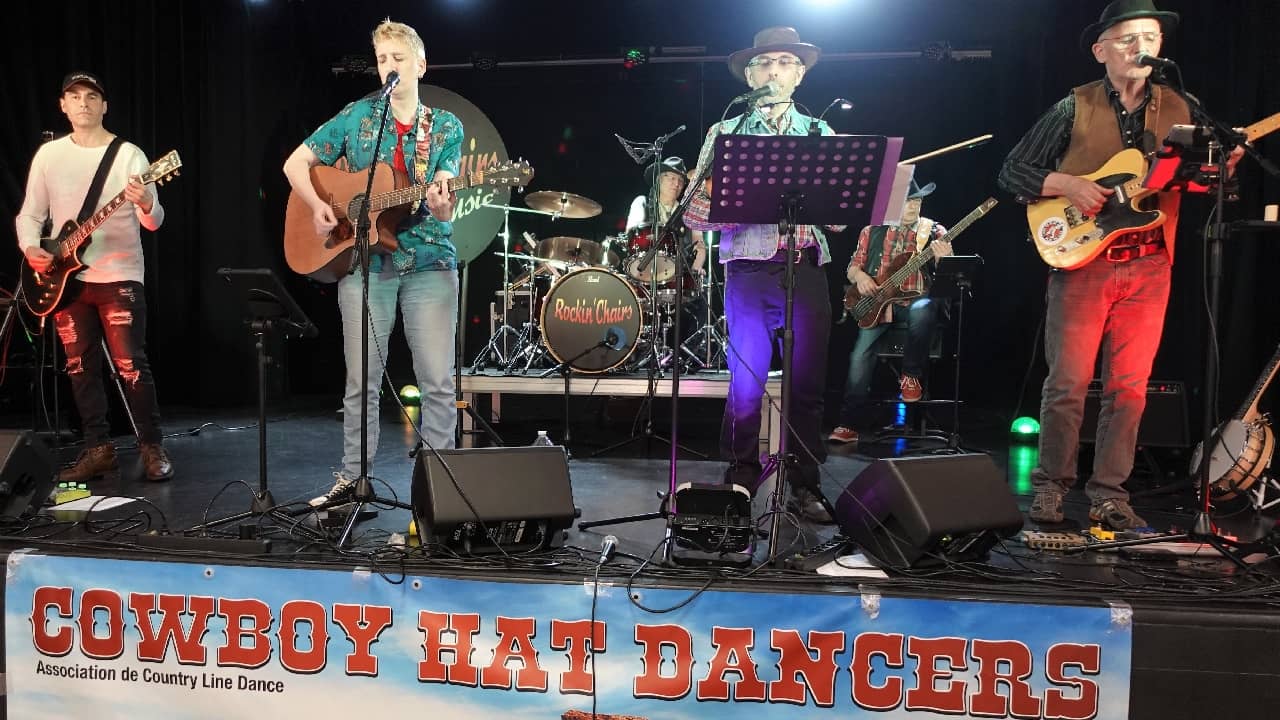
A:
(1040, 151)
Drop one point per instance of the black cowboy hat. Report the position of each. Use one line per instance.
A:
(920, 192)
(774, 39)
(672, 164)
(1119, 11)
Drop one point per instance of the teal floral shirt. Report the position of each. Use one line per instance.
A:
(425, 242)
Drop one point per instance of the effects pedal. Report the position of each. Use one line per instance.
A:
(1052, 540)
(819, 555)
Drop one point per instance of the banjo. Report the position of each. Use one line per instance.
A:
(1243, 444)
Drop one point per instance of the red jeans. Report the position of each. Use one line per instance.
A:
(1118, 309)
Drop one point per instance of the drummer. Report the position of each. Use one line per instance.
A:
(672, 179)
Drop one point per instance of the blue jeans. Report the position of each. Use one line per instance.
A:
(1117, 308)
(919, 318)
(754, 308)
(116, 311)
(428, 302)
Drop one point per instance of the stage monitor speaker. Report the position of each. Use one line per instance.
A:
(27, 474)
(1163, 424)
(488, 500)
(927, 511)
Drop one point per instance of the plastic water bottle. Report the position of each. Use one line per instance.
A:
(542, 440)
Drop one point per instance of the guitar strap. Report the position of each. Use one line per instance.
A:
(99, 179)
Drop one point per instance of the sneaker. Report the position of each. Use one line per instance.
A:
(93, 463)
(843, 434)
(910, 388)
(1046, 507)
(805, 504)
(344, 488)
(1116, 514)
(155, 462)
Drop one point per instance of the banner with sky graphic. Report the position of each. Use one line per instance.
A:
(186, 640)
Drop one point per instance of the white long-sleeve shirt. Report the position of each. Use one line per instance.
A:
(61, 172)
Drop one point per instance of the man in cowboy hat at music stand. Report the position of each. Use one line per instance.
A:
(754, 257)
(1115, 303)
(878, 246)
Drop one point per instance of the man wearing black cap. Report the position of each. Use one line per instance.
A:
(672, 178)
(108, 300)
(1115, 303)
(879, 245)
(754, 257)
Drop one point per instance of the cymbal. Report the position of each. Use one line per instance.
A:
(565, 204)
(561, 264)
(571, 250)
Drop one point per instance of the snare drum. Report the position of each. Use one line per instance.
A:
(662, 263)
(591, 319)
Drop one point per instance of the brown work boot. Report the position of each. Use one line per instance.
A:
(910, 388)
(155, 462)
(93, 463)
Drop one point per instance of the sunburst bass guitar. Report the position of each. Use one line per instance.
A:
(1067, 238)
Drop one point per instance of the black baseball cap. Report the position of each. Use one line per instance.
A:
(83, 78)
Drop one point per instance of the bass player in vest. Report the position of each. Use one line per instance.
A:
(878, 247)
(1116, 302)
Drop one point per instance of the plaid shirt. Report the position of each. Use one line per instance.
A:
(894, 243)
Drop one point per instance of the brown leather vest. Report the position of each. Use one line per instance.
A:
(1095, 138)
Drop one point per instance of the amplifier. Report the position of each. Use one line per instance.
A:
(1164, 422)
(712, 525)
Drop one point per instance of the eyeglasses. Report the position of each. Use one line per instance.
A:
(782, 62)
(1124, 41)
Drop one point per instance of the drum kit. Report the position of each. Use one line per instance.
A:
(590, 307)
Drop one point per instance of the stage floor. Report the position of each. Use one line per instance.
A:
(1192, 615)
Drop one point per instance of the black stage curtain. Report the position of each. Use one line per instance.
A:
(235, 85)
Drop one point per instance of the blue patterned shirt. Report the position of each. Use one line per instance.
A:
(425, 242)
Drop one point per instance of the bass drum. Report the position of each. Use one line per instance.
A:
(591, 319)
(1240, 456)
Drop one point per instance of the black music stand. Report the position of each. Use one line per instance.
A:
(792, 180)
(953, 280)
(268, 308)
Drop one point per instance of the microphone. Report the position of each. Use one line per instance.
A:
(763, 91)
(608, 547)
(615, 338)
(671, 134)
(1159, 63)
(393, 79)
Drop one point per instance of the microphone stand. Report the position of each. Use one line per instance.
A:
(364, 494)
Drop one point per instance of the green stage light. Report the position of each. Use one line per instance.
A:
(1025, 426)
(409, 395)
(634, 57)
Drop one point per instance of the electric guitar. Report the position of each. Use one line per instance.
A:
(44, 292)
(868, 309)
(1067, 238)
(328, 259)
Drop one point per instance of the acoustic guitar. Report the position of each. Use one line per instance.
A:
(868, 309)
(45, 292)
(1067, 238)
(329, 258)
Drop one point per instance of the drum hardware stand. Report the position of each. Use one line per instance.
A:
(497, 347)
(1193, 170)
(709, 338)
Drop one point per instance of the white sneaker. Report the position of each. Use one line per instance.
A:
(343, 488)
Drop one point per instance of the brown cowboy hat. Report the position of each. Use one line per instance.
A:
(774, 39)
(1120, 10)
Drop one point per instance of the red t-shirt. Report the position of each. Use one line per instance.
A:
(398, 159)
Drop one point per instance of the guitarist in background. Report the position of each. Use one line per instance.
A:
(1117, 301)
(878, 246)
(421, 276)
(107, 301)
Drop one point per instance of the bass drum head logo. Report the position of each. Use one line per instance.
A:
(1052, 231)
(474, 226)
